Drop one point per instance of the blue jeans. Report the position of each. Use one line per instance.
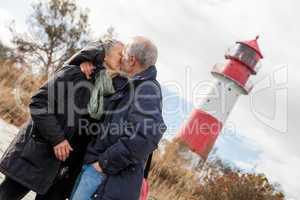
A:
(87, 183)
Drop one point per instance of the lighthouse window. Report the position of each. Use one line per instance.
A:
(244, 54)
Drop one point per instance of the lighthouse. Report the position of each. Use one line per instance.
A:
(230, 81)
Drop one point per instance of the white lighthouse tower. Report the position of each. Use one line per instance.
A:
(231, 80)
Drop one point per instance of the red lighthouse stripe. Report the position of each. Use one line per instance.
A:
(237, 72)
(201, 132)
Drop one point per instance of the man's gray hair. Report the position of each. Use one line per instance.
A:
(144, 51)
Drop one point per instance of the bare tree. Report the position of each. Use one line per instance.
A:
(56, 30)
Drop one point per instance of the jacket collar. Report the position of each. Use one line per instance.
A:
(121, 82)
(149, 74)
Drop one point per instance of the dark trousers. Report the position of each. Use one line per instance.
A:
(12, 190)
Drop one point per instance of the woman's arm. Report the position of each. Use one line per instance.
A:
(93, 53)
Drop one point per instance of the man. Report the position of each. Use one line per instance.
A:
(47, 154)
(115, 160)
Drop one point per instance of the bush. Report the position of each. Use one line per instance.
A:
(171, 179)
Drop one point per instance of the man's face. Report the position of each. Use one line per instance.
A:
(114, 57)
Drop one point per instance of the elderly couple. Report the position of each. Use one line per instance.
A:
(92, 127)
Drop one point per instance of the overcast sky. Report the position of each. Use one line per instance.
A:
(192, 36)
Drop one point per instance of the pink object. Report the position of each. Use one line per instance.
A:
(144, 190)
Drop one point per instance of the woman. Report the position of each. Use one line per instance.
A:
(47, 154)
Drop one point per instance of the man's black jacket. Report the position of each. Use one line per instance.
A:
(131, 129)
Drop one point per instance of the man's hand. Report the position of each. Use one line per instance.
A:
(62, 150)
(87, 68)
(97, 167)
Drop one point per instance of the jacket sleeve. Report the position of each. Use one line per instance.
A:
(142, 132)
(92, 53)
(44, 105)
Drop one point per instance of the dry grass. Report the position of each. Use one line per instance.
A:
(171, 180)
(16, 88)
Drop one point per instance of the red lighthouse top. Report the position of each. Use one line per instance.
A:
(253, 45)
(243, 60)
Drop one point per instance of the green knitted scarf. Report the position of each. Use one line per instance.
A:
(103, 86)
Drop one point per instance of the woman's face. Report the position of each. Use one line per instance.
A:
(114, 57)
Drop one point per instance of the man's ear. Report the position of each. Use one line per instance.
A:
(132, 61)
